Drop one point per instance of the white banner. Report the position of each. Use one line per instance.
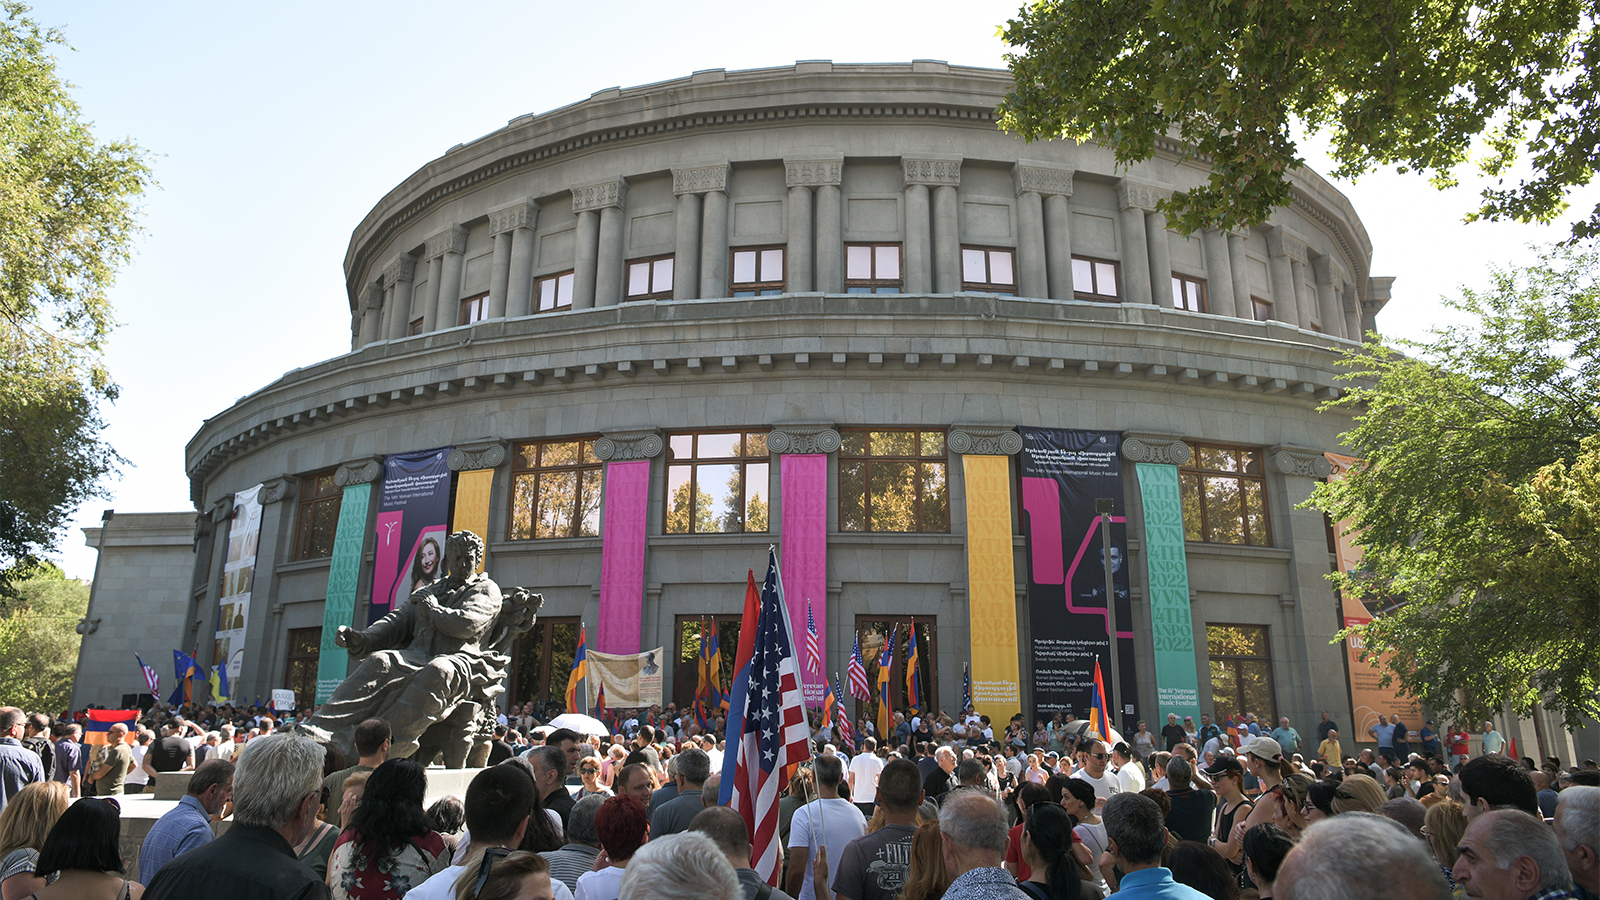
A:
(238, 577)
(282, 699)
(632, 680)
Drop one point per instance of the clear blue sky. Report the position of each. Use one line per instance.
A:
(276, 127)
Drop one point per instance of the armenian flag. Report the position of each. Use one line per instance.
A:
(580, 672)
(885, 702)
(1099, 720)
(98, 725)
(719, 697)
(188, 669)
(702, 688)
(913, 675)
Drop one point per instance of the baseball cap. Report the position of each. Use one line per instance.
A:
(1265, 748)
(1224, 765)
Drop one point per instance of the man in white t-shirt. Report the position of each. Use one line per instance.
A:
(1094, 771)
(830, 816)
(864, 772)
(1130, 775)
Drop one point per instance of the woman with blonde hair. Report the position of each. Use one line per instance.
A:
(1442, 826)
(1358, 793)
(24, 824)
(926, 879)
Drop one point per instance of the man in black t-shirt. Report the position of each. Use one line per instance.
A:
(874, 866)
(1173, 733)
(170, 753)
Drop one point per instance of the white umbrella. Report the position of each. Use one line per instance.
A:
(1081, 727)
(581, 723)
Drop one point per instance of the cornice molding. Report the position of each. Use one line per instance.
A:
(786, 439)
(480, 455)
(983, 440)
(1135, 194)
(359, 471)
(812, 172)
(1165, 449)
(1299, 461)
(401, 268)
(451, 240)
(700, 179)
(628, 445)
(600, 195)
(932, 171)
(1043, 178)
(521, 214)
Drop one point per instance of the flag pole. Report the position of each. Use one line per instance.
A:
(783, 606)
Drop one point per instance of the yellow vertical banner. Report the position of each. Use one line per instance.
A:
(472, 504)
(991, 587)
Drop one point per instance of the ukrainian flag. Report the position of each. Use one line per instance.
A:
(580, 671)
(219, 682)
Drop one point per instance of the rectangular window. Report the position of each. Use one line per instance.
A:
(1224, 496)
(555, 490)
(650, 279)
(893, 481)
(554, 291)
(717, 483)
(1241, 672)
(758, 271)
(474, 309)
(541, 661)
(415, 327)
(1188, 293)
(1260, 309)
(300, 672)
(989, 270)
(318, 516)
(1095, 279)
(872, 268)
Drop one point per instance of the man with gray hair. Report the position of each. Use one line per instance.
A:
(674, 816)
(549, 766)
(577, 855)
(1136, 836)
(1507, 854)
(974, 828)
(1360, 854)
(680, 867)
(1578, 830)
(19, 766)
(277, 789)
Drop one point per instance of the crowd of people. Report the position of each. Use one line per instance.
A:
(937, 808)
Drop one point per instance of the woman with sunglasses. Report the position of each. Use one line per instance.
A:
(1233, 808)
(589, 771)
(83, 854)
(389, 845)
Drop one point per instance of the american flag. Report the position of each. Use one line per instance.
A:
(842, 718)
(860, 687)
(813, 652)
(151, 677)
(773, 738)
(966, 687)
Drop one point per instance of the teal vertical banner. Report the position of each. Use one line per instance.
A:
(344, 571)
(1177, 684)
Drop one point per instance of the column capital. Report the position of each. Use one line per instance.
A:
(600, 195)
(1166, 449)
(1283, 242)
(1135, 194)
(477, 455)
(932, 170)
(1329, 270)
(276, 489)
(451, 240)
(1043, 177)
(372, 297)
(786, 439)
(221, 511)
(359, 471)
(401, 268)
(1301, 461)
(813, 172)
(626, 445)
(521, 214)
(983, 440)
(700, 179)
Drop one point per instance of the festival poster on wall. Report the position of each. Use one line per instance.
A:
(631, 680)
(1367, 700)
(1166, 560)
(413, 516)
(1063, 473)
(344, 575)
(238, 578)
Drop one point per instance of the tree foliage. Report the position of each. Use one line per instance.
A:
(1413, 84)
(1478, 504)
(67, 222)
(39, 613)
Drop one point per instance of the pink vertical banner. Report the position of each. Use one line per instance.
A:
(627, 502)
(804, 482)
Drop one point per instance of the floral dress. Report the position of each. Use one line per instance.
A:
(353, 875)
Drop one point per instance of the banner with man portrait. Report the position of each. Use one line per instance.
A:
(1063, 473)
(632, 680)
(413, 517)
(238, 579)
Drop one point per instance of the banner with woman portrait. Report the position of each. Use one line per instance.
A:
(413, 517)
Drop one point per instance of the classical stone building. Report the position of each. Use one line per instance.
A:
(635, 309)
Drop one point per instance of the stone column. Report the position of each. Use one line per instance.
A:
(371, 312)
(686, 237)
(803, 176)
(1352, 311)
(1238, 268)
(1135, 199)
(587, 258)
(448, 246)
(607, 199)
(1329, 273)
(1044, 239)
(932, 182)
(397, 277)
(713, 183)
(830, 238)
(1220, 298)
(1379, 290)
(1155, 229)
(511, 285)
(1310, 609)
(1283, 250)
(1305, 297)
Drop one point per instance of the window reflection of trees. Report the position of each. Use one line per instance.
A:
(555, 490)
(542, 660)
(716, 483)
(1241, 671)
(1223, 497)
(893, 481)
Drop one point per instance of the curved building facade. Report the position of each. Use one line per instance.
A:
(818, 307)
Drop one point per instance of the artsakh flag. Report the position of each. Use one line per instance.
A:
(98, 724)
